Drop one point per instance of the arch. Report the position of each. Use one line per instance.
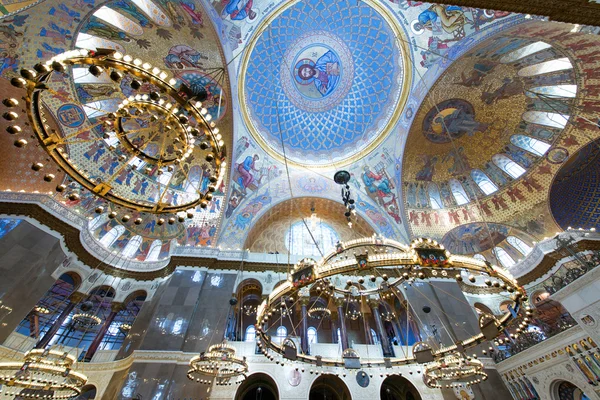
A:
(481, 308)
(564, 390)
(280, 334)
(554, 91)
(484, 183)
(300, 239)
(534, 146)
(312, 335)
(118, 20)
(258, 383)
(396, 387)
(132, 246)
(553, 120)
(519, 244)
(250, 335)
(153, 11)
(330, 387)
(558, 64)
(138, 295)
(111, 236)
(479, 257)
(507, 165)
(88, 392)
(504, 259)
(435, 199)
(524, 52)
(154, 250)
(458, 191)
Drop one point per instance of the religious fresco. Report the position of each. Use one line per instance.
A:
(324, 94)
(155, 29)
(494, 130)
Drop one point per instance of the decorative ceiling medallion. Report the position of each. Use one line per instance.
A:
(319, 71)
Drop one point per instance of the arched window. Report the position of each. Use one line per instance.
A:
(132, 246)
(95, 223)
(507, 165)
(154, 250)
(524, 52)
(281, 334)
(479, 257)
(504, 259)
(434, 196)
(154, 12)
(520, 245)
(482, 180)
(118, 20)
(111, 236)
(546, 67)
(177, 327)
(373, 336)
(459, 192)
(312, 335)
(91, 42)
(250, 334)
(300, 241)
(530, 144)
(550, 119)
(553, 92)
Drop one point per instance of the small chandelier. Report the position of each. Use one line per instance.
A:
(454, 370)
(86, 321)
(124, 328)
(219, 363)
(388, 316)
(44, 374)
(353, 314)
(319, 313)
(249, 310)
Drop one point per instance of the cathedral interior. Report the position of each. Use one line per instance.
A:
(299, 199)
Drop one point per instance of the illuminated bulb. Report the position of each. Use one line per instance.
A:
(163, 75)
(146, 66)
(127, 58)
(172, 81)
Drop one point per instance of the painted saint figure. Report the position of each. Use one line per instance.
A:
(239, 9)
(325, 73)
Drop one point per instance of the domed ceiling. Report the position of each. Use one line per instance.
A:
(324, 81)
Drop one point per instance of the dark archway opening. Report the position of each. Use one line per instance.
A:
(87, 393)
(258, 387)
(397, 388)
(329, 387)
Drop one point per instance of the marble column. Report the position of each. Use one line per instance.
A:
(74, 299)
(304, 315)
(383, 337)
(115, 308)
(342, 321)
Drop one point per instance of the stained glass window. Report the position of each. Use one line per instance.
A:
(520, 245)
(118, 20)
(483, 182)
(524, 52)
(553, 120)
(546, 67)
(434, 196)
(530, 144)
(154, 251)
(459, 192)
(503, 258)
(300, 241)
(132, 246)
(250, 334)
(111, 236)
(507, 165)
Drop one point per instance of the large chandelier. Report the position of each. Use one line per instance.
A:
(219, 363)
(44, 374)
(391, 265)
(160, 133)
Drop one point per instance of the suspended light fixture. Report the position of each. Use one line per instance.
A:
(342, 178)
(44, 374)
(218, 363)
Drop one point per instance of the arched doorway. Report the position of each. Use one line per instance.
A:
(329, 387)
(398, 388)
(258, 387)
(563, 390)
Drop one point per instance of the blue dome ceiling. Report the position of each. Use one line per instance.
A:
(325, 79)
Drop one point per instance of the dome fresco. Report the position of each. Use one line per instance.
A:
(324, 80)
(444, 116)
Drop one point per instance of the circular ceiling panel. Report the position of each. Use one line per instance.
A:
(324, 82)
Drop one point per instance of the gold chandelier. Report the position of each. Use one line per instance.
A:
(218, 363)
(44, 374)
(160, 131)
(454, 370)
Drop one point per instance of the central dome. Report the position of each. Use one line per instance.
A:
(324, 81)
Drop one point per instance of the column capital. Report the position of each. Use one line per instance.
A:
(116, 306)
(373, 303)
(76, 297)
(304, 300)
